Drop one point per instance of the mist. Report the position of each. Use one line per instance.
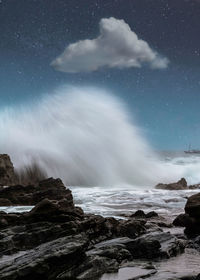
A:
(85, 136)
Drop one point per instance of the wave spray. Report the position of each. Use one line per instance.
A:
(83, 135)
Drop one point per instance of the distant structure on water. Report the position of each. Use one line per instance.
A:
(192, 151)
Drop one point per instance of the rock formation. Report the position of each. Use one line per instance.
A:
(57, 240)
(180, 185)
(7, 175)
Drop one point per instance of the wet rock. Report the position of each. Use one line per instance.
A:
(194, 187)
(92, 268)
(180, 185)
(132, 272)
(192, 207)
(131, 228)
(192, 210)
(30, 195)
(46, 261)
(149, 246)
(7, 175)
(141, 214)
(183, 220)
(151, 214)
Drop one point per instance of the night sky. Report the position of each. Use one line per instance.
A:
(165, 102)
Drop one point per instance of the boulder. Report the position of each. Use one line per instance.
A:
(180, 185)
(149, 246)
(192, 210)
(7, 175)
(50, 188)
(53, 210)
(192, 207)
(183, 220)
(46, 261)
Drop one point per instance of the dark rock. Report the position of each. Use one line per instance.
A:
(5, 202)
(148, 246)
(194, 187)
(139, 214)
(152, 214)
(183, 220)
(142, 215)
(131, 228)
(7, 175)
(157, 245)
(46, 261)
(92, 268)
(52, 210)
(192, 207)
(180, 185)
(30, 195)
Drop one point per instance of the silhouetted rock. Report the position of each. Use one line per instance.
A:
(180, 185)
(7, 175)
(30, 195)
(192, 207)
(183, 220)
(141, 214)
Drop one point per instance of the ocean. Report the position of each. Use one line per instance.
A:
(121, 200)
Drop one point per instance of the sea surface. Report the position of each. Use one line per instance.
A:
(121, 200)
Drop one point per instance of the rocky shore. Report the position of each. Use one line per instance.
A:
(57, 240)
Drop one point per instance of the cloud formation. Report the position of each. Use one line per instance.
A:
(117, 46)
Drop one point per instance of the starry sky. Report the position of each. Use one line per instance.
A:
(165, 102)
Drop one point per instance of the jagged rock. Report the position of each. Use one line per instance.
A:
(194, 187)
(131, 228)
(148, 246)
(92, 268)
(192, 210)
(52, 210)
(183, 220)
(30, 195)
(7, 175)
(192, 207)
(46, 261)
(180, 185)
(141, 214)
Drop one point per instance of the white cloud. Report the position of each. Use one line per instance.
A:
(117, 46)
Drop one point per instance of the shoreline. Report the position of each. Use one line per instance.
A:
(57, 239)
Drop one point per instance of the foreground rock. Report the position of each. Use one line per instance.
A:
(30, 195)
(191, 219)
(57, 240)
(47, 260)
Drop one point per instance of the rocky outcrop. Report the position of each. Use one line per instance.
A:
(30, 195)
(7, 175)
(47, 260)
(57, 240)
(180, 185)
(192, 209)
(191, 218)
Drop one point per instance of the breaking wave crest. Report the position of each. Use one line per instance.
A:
(84, 136)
